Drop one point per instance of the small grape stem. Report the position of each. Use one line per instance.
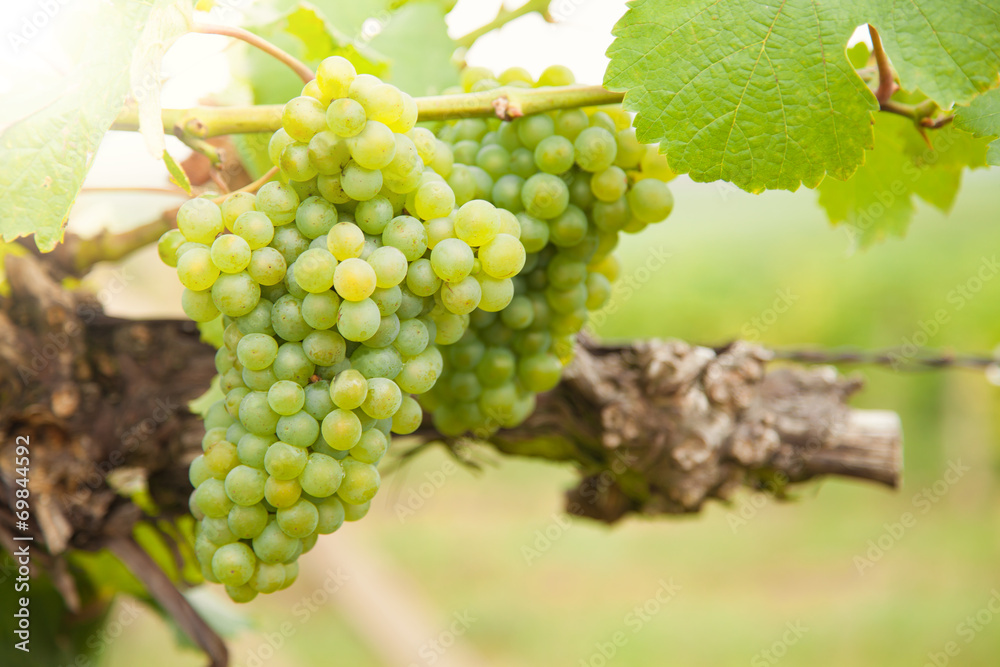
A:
(250, 187)
(503, 17)
(920, 113)
(259, 42)
(507, 102)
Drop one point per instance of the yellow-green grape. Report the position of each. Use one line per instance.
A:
(361, 482)
(196, 271)
(502, 257)
(322, 475)
(200, 220)
(199, 306)
(302, 117)
(650, 200)
(334, 76)
(341, 429)
(168, 245)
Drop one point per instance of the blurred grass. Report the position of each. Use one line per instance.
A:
(741, 582)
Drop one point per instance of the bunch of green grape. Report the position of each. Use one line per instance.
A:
(575, 179)
(335, 290)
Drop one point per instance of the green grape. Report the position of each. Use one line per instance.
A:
(494, 160)
(360, 484)
(267, 266)
(408, 417)
(317, 402)
(496, 293)
(331, 515)
(506, 193)
(331, 189)
(267, 578)
(319, 311)
(298, 520)
(438, 230)
(354, 279)
(410, 305)
(450, 328)
(314, 270)
(570, 123)
(377, 361)
(522, 163)
(200, 220)
(534, 233)
(595, 149)
(372, 446)
(434, 199)
(230, 253)
(235, 294)
(373, 215)
(387, 299)
(295, 162)
(233, 564)
(255, 228)
(554, 154)
(283, 461)
(358, 320)
(334, 76)
(345, 117)
(484, 183)
(241, 594)
(515, 74)
(462, 297)
(569, 228)
(256, 351)
(257, 320)
(356, 512)
(477, 222)
(321, 476)
(452, 260)
(252, 447)
(650, 200)
(630, 150)
(278, 202)
(256, 415)
(462, 183)
(360, 183)
(235, 396)
(420, 372)
(387, 331)
(502, 257)
(291, 363)
(324, 348)
(383, 399)
(211, 498)
(406, 234)
(199, 305)
(412, 338)
(341, 429)
(613, 216)
(531, 130)
(290, 242)
(389, 265)
(245, 485)
(281, 492)
(235, 205)
(277, 144)
(315, 217)
(168, 245)
(286, 397)
(288, 320)
(566, 301)
(544, 196)
(465, 151)
(299, 430)
(303, 117)
(374, 147)
(247, 521)
(564, 272)
(610, 184)
(198, 472)
(540, 372)
(349, 390)
(598, 291)
(259, 380)
(556, 75)
(196, 271)
(345, 241)
(273, 546)
(496, 367)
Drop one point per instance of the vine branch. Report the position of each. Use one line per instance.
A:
(506, 102)
(919, 113)
(259, 42)
(503, 17)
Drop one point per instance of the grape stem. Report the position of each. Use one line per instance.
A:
(259, 42)
(251, 187)
(507, 103)
(503, 17)
(919, 113)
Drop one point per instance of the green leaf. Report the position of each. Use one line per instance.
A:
(763, 95)
(178, 176)
(45, 157)
(423, 24)
(982, 119)
(877, 201)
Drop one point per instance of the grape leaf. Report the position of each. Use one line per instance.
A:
(763, 95)
(44, 157)
(877, 201)
(982, 119)
(418, 23)
(178, 176)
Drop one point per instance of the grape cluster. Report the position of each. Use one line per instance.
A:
(574, 179)
(393, 269)
(334, 302)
